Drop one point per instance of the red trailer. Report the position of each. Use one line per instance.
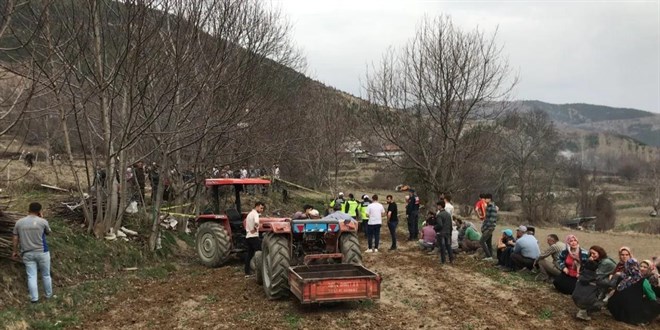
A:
(334, 282)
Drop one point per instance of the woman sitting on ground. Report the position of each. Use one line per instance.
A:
(625, 254)
(570, 261)
(649, 276)
(635, 301)
(470, 242)
(654, 272)
(427, 242)
(504, 247)
(592, 282)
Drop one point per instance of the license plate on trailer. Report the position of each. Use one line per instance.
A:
(315, 228)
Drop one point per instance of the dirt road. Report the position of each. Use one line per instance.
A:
(417, 293)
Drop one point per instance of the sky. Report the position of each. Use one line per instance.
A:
(599, 52)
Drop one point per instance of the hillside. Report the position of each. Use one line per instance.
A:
(640, 125)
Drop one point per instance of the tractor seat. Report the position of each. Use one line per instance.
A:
(234, 216)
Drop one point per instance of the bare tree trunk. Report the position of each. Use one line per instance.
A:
(153, 235)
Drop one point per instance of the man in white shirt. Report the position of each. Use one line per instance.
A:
(376, 211)
(448, 206)
(252, 234)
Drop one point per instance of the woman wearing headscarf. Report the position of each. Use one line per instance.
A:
(504, 247)
(570, 261)
(592, 281)
(632, 302)
(653, 271)
(625, 253)
(650, 277)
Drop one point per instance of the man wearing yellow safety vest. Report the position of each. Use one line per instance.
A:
(351, 206)
(339, 200)
(362, 212)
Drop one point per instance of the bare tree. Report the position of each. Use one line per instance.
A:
(428, 95)
(530, 147)
(184, 83)
(651, 182)
(17, 91)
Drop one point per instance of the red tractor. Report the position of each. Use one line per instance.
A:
(325, 248)
(222, 233)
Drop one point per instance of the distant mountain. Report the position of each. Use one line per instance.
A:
(639, 125)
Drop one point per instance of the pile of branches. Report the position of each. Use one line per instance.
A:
(7, 222)
(71, 209)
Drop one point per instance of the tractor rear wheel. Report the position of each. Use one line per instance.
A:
(258, 267)
(350, 249)
(213, 244)
(275, 263)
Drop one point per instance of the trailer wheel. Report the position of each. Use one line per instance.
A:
(257, 267)
(275, 263)
(350, 249)
(213, 244)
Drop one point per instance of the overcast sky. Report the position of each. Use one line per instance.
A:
(600, 52)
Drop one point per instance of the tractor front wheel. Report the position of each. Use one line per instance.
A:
(275, 265)
(350, 249)
(213, 244)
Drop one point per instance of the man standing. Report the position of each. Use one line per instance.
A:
(338, 201)
(488, 226)
(448, 206)
(412, 209)
(252, 234)
(443, 229)
(351, 206)
(480, 207)
(392, 219)
(276, 171)
(29, 159)
(30, 233)
(154, 178)
(375, 210)
(363, 214)
(550, 268)
(140, 179)
(525, 251)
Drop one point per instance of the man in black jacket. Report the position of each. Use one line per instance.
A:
(443, 231)
(412, 210)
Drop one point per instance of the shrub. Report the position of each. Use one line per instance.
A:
(605, 213)
(629, 171)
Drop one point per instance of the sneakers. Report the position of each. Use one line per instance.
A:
(487, 259)
(582, 315)
(376, 250)
(393, 248)
(369, 251)
(51, 297)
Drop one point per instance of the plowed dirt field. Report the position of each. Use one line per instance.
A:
(417, 293)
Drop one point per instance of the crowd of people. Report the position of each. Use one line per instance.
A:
(628, 288)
